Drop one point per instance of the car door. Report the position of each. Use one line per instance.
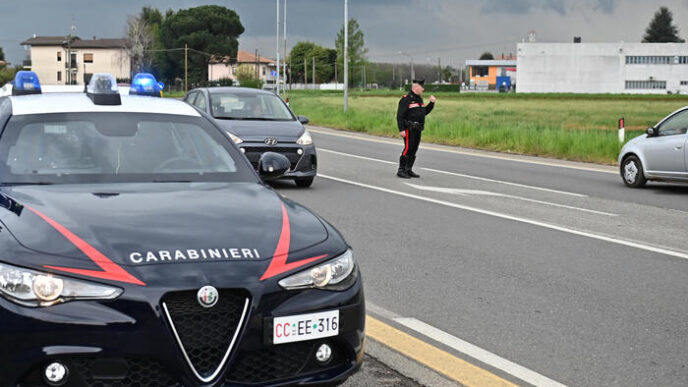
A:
(665, 153)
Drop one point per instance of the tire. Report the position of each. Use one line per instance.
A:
(304, 183)
(632, 172)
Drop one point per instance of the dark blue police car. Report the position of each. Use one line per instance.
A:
(140, 248)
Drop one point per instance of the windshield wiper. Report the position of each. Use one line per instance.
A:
(25, 183)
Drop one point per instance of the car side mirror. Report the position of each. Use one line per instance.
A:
(650, 132)
(272, 165)
(303, 119)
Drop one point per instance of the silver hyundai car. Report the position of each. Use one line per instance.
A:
(658, 155)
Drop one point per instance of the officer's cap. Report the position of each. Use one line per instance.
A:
(419, 81)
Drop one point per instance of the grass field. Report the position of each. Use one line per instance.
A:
(567, 126)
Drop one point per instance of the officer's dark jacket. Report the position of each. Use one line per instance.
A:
(412, 109)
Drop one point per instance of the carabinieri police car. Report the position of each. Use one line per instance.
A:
(140, 248)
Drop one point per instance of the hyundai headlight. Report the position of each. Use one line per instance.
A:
(33, 288)
(333, 274)
(234, 138)
(305, 139)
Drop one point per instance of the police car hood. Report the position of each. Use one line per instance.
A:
(258, 131)
(146, 224)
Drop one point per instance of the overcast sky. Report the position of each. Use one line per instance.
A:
(453, 30)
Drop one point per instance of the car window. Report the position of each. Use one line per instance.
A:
(117, 147)
(190, 97)
(678, 124)
(249, 106)
(200, 101)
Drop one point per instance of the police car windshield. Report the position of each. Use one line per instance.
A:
(116, 147)
(249, 106)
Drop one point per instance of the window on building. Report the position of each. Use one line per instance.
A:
(59, 76)
(88, 58)
(646, 85)
(480, 71)
(264, 71)
(59, 56)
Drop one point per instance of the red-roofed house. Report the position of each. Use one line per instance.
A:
(224, 67)
(58, 61)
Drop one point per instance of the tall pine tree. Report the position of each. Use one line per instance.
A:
(662, 29)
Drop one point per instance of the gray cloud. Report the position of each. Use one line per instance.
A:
(454, 30)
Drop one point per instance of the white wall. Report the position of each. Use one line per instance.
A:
(597, 67)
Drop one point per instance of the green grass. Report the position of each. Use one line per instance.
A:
(567, 126)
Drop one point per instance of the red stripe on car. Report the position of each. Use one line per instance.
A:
(110, 270)
(278, 264)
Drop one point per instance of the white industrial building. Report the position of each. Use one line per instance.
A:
(632, 68)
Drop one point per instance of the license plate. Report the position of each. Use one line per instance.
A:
(303, 327)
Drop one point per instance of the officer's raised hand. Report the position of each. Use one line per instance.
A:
(433, 99)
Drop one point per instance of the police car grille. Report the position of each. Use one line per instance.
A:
(278, 362)
(253, 154)
(205, 333)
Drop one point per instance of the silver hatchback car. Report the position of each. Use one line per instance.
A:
(658, 155)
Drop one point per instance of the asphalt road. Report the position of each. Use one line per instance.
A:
(554, 266)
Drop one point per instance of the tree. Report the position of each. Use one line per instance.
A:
(140, 41)
(487, 56)
(661, 28)
(208, 29)
(304, 52)
(246, 72)
(2, 54)
(356, 51)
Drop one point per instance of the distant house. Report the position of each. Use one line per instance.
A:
(61, 60)
(484, 73)
(224, 67)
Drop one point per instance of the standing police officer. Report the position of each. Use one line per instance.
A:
(411, 120)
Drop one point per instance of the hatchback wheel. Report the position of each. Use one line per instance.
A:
(632, 172)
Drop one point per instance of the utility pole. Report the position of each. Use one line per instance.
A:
(346, 55)
(336, 80)
(284, 65)
(439, 71)
(277, 48)
(305, 73)
(365, 80)
(186, 67)
(313, 76)
(257, 65)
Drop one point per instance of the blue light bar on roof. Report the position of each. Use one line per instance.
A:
(26, 82)
(146, 84)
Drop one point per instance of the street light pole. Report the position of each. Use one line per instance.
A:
(346, 55)
(284, 65)
(277, 48)
(413, 73)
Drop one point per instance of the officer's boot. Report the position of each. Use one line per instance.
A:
(409, 166)
(403, 162)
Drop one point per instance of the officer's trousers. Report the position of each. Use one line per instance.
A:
(411, 142)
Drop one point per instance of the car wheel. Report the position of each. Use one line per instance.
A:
(305, 183)
(632, 172)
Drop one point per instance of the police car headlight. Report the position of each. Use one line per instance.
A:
(335, 274)
(234, 138)
(305, 139)
(33, 288)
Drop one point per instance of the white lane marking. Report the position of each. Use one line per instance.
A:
(478, 353)
(640, 246)
(460, 174)
(468, 192)
(474, 153)
(355, 156)
(507, 183)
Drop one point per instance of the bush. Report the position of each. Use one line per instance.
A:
(431, 88)
(252, 83)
